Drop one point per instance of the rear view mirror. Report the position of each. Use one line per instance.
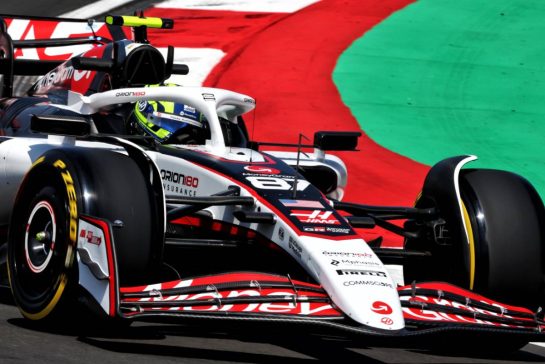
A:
(60, 125)
(336, 140)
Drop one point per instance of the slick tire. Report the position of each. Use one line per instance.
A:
(507, 236)
(42, 242)
(63, 185)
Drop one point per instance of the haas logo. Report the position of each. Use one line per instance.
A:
(387, 321)
(315, 217)
(381, 308)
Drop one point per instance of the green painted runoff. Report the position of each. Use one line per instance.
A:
(448, 77)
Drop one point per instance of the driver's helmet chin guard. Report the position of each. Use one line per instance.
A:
(169, 122)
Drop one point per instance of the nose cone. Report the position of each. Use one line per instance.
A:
(357, 281)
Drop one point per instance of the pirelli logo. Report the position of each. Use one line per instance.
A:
(359, 272)
(72, 199)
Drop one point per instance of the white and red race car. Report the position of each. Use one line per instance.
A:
(141, 226)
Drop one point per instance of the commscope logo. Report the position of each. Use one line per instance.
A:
(367, 283)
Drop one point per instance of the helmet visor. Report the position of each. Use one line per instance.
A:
(162, 124)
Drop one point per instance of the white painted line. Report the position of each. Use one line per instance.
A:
(98, 7)
(200, 61)
(539, 344)
(264, 6)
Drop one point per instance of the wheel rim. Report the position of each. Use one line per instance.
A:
(40, 236)
(38, 262)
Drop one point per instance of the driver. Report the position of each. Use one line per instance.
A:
(169, 122)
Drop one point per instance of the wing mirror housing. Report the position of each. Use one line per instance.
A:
(336, 140)
(60, 125)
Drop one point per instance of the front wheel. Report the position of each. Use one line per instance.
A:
(42, 241)
(63, 187)
(490, 240)
(506, 225)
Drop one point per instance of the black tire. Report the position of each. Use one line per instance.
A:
(118, 191)
(505, 221)
(508, 226)
(65, 185)
(42, 278)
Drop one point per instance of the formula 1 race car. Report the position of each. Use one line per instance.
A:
(139, 199)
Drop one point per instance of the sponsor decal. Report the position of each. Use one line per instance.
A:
(315, 217)
(308, 204)
(281, 176)
(317, 229)
(58, 76)
(209, 97)
(353, 262)
(81, 74)
(294, 247)
(357, 272)
(281, 233)
(72, 199)
(337, 230)
(180, 178)
(130, 94)
(277, 183)
(367, 283)
(249, 101)
(381, 308)
(387, 321)
(179, 190)
(189, 109)
(142, 105)
(347, 254)
(180, 118)
(294, 307)
(47, 80)
(24, 29)
(261, 169)
(90, 237)
(179, 183)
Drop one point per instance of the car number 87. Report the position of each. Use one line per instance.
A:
(276, 183)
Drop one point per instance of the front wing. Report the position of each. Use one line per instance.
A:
(428, 308)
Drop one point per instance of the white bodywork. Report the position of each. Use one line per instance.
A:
(349, 271)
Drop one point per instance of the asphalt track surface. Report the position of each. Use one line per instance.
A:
(220, 343)
(195, 343)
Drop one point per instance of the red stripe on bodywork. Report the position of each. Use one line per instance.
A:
(103, 225)
(277, 212)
